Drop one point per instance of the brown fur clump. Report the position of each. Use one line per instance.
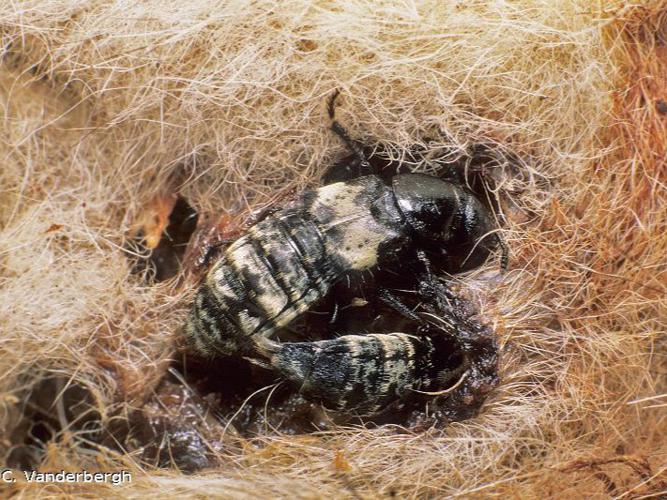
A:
(106, 105)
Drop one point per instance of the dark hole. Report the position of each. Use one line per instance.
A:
(40, 433)
(164, 261)
(46, 407)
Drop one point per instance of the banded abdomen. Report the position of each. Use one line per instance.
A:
(262, 282)
(288, 261)
(363, 374)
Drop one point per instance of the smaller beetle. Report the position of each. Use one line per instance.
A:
(364, 374)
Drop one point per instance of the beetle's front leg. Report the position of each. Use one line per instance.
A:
(429, 287)
(396, 304)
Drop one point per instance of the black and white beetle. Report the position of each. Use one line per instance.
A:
(364, 374)
(291, 258)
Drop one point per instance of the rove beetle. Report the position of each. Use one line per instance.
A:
(291, 258)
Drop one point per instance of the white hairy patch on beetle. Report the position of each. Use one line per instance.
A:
(362, 234)
(396, 371)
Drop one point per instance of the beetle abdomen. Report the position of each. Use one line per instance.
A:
(288, 261)
(359, 373)
(262, 282)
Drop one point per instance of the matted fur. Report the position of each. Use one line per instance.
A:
(106, 104)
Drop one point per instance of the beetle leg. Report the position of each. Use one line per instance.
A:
(331, 105)
(207, 249)
(429, 275)
(392, 301)
(334, 316)
(426, 263)
(505, 255)
(257, 216)
(430, 287)
(354, 148)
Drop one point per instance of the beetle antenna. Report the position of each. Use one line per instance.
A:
(340, 131)
(331, 105)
